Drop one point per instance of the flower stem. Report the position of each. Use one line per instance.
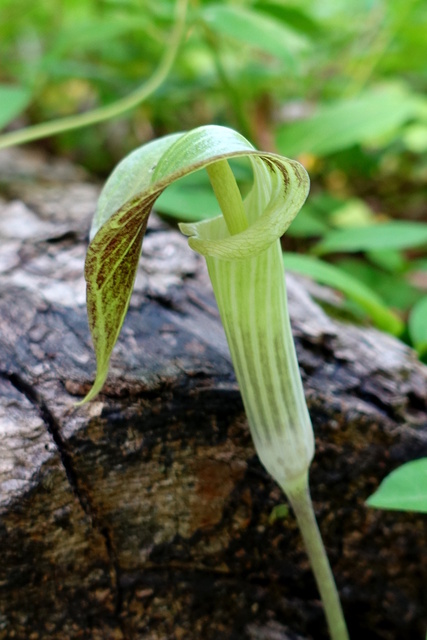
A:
(228, 195)
(299, 497)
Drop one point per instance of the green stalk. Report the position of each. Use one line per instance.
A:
(228, 195)
(234, 98)
(251, 298)
(110, 111)
(299, 497)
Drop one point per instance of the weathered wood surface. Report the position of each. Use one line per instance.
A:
(146, 514)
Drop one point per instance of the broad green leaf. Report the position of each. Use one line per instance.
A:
(355, 290)
(395, 289)
(307, 224)
(390, 260)
(389, 235)
(417, 326)
(292, 16)
(344, 123)
(13, 100)
(255, 29)
(125, 204)
(188, 204)
(91, 35)
(405, 489)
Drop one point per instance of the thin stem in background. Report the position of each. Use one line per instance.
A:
(115, 109)
(302, 505)
(242, 120)
(383, 37)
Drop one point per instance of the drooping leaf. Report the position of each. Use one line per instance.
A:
(390, 235)
(417, 326)
(344, 123)
(13, 100)
(110, 269)
(405, 489)
(355, 290)
(125, 203)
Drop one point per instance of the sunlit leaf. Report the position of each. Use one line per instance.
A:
(415, 138)
(292, 16)
(353, 213)
(13, 100)
(355, 290)
(255, 29)
(347, 122)
(390, 235)
(405, 489)
(417, 326)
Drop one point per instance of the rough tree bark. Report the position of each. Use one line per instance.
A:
(146, 514)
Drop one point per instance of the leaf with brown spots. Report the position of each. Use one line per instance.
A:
(111, 264)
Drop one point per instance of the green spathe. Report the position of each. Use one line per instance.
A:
(251, 296)
(246, 271)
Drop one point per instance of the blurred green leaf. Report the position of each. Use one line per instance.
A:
(417, 326)
(188, 203)
(347, 122)
(307, 224)
(394, 288)
(388, 259)
(94, 35)
(279, 512)
(353, 213)
(355, 290)
(13, 100)
(415, 138)
(255, 29)
(405, 489)
(389, 235)
(295, 17)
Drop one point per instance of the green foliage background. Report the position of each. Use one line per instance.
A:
(339, 85)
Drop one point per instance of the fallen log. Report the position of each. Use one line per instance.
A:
(146, 514)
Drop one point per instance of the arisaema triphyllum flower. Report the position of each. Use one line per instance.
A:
(243, 255)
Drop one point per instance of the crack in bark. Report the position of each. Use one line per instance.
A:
(54, 431)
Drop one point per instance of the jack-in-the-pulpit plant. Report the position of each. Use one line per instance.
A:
(243, 255)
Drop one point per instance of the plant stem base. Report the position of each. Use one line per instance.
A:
(299, 497)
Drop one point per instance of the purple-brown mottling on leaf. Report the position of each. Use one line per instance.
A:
(111, 265)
